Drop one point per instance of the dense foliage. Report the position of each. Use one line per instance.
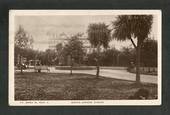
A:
(74, 49)
(133, 26)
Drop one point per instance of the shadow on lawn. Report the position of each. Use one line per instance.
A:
(49, 86)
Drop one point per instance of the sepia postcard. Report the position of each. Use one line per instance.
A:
(85, 57)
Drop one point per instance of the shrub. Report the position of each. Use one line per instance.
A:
(140, 94)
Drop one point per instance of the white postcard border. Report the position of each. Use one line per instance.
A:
(12, 102)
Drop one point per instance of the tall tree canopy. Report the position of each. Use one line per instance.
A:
(98, 35)
(23, 41)
(74, 48)
(133, 26)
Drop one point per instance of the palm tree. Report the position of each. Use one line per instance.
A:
(133, 26)
(98, 35)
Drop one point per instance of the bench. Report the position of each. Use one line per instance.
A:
(39, 68)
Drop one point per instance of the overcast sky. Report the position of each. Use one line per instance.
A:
(39, 26)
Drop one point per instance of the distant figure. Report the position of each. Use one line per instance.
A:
(38, 64)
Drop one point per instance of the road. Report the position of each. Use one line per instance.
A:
(118, 74)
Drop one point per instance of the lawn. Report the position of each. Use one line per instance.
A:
(50, 86)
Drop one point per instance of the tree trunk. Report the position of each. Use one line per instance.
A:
(39, 70)
(71, 69)
(98, 70)
(138, 62)
(21, 69)
(98, 65)
(20, 64)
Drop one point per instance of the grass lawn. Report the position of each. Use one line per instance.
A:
(49, 86)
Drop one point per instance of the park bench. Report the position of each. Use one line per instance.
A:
(39, 68)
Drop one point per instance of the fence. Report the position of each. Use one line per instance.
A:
(145, 70)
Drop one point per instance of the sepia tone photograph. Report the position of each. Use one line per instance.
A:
(84, 57)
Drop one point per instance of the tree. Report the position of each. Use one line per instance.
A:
(74, 50)
(98, 35)
(22, 41)
(50, 56)
(91, 59)
(59, 49)
(149, 53)
(109, 57)
(127, 56)
(133, 26)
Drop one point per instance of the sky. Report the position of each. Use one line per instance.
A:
(41, 26)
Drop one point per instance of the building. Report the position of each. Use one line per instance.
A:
(54, 39)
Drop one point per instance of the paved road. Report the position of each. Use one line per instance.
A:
(118, 74)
